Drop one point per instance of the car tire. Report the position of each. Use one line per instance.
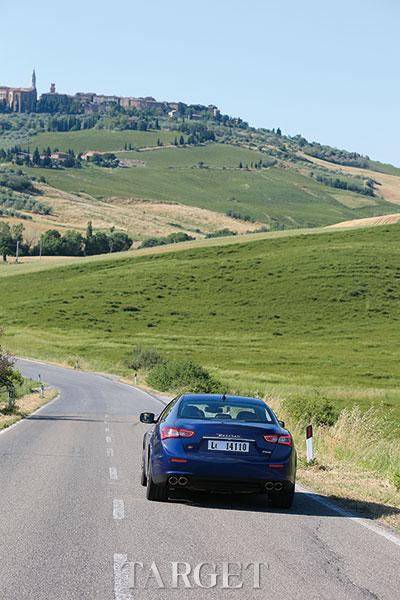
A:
(282, 499)
(154, 491)
(143, 478)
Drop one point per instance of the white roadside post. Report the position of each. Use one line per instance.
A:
(309, 443)
(41, 386)
(11, 399)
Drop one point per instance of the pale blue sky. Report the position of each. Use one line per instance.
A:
(327, 70)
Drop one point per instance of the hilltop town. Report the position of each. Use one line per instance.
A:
(26, 100)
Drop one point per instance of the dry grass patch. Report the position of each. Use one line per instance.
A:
(389, 185)
(357, 461)
(356, 490)
(368, 222)
(137, 216)
(25, 406)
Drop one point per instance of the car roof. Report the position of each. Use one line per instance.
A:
(221, 398)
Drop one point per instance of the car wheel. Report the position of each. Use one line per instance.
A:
(154, 491)
(282, 499)
(143, 478)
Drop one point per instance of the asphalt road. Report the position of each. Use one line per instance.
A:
(74, 517)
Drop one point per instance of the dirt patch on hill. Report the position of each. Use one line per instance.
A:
(369, 221)
(388, 185)
(136, 216)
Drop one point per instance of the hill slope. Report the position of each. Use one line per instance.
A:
(312, 311)
(209, 177)
(248, 174)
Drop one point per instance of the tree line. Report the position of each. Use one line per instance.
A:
(53, 243)
(42, 159)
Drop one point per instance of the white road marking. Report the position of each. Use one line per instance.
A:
(110, 452)
(106, 416)
(118, 509)
(113, 473)
(107, 429)
(392, 537)
(121, 577)
(108, 439)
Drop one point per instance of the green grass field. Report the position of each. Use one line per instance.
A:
(102, 140)
(286, 314)
(284, 194)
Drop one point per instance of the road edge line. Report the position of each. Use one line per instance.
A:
(35, 412)
(332, 505)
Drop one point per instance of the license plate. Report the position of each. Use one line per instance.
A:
(227, 446)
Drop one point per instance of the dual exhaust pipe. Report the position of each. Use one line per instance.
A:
(173, 480)
(277, 487)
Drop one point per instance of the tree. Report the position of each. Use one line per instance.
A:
(119, 241)
(17, 234)
(5, 240)
(97, 244)
(89, 230)
(8, 376)
(36, 157)
(51, 243)
(72, 243)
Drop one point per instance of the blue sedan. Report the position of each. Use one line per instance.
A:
(209, 442)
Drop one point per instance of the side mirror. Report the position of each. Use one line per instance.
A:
(281, 423)
(148, 418)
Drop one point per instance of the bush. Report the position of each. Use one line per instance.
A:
(317, 410)
(172, 375)
(234, 214)
(220, 233)
(145, 358)
(172, 238)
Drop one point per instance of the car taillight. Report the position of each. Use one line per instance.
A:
(285, 440)
(174, 432)
(271, 438)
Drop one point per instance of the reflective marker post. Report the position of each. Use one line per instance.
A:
(309, 443)
(41, 386)
(11, 398)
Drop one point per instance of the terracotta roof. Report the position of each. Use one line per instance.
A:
(13, 89)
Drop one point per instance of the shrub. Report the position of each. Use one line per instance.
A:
(317, 410)
(145, 358)
(234, 214)
(172, 238)
(172, 375)
(220, 233)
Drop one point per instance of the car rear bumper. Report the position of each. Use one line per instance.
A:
(235, 486)
(212, 474)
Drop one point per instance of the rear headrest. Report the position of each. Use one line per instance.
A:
(192, 412)
(246, 415)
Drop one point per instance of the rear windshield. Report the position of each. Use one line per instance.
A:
(224, 410)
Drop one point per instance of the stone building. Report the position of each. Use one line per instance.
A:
(20, 100)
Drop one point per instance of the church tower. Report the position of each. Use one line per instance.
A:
(33, 80)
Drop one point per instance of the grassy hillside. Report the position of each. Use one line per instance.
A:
(282, 194)
(208, 177)
(294, 313)
(100, 139)
(204, 183)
